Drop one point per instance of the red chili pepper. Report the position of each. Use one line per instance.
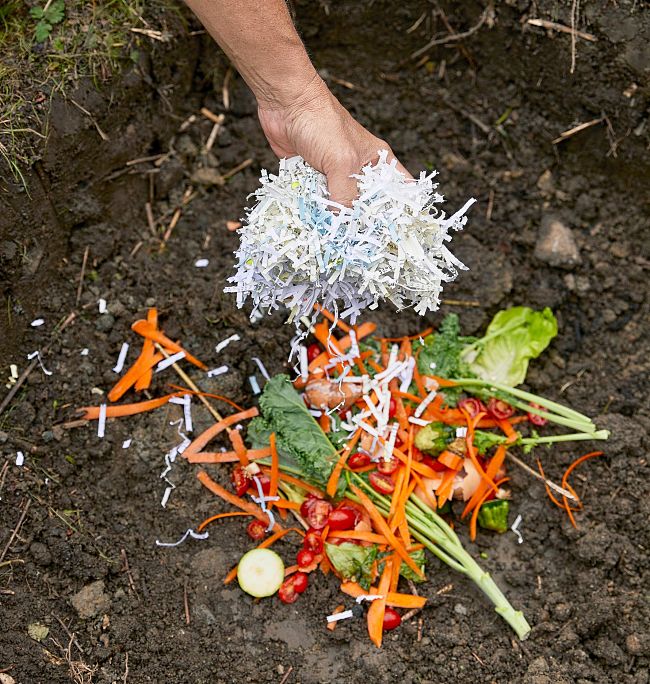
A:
(499, 409)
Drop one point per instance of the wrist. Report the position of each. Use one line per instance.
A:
(295, 90)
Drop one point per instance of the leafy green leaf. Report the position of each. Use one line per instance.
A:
(407, 573)
(513, 337)
(484, 441)
(42, 31)
(55, 12)
(440, 354)
(300, 439)
(36, 12)
(353, 562)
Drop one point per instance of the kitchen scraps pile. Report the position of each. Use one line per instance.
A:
(378, 447)
(297, 247)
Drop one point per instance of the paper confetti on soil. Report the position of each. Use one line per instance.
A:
(390, 245)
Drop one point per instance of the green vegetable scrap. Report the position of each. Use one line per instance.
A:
(433, 438)
(493, 515)
(513, 337)
(407, 573)
(353, 562)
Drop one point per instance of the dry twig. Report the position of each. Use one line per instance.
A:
(454, 37)
(577, 129)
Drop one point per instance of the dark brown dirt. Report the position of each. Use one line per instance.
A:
(95, 506)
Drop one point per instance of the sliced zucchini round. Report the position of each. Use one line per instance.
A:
(260, 572)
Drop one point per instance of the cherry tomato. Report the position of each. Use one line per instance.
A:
(240, 481)
(313, 541)
(392, 619)
(387, 466)
(534, 418)
(381, 483)
(305, 558)
(308, 504)
(318, 514)
(360, 459)
(256, 530)
(292, 587)
(313, 352)
(265, 482)
(342, 518)
(500, 410)
(472, 406)
(392, 408)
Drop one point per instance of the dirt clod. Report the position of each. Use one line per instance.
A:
(556, 245)
(91, 600)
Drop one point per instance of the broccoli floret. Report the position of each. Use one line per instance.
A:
(494, 515)
(433, 438)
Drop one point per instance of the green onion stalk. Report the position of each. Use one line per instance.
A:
(431, 530)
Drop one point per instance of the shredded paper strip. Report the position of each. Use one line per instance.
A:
(298, 248)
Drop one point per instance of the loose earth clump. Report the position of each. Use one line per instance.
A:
(484, 111)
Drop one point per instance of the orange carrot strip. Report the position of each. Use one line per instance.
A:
(233, 499)
(147, 353)
(324, 422)
(577, 462)
(207, 435)
(321, 331)
(332, 318)
(399, 481)
(92, 412)
(141, 366)
(423, 334)
(378, 607)
(269, 541)
(186, 390)
(360, 535)
(474, 519)
(443, 382)
(393, 599)
(419, 383)
(298, 483)
(238, 445)
(450, 460)
(508, 430)
(416, 466)
(394, 576)
(446, 486)
(227, 456)
(471, 449)
(382, 527)
(335, 475)
(551, 496)
(286, 504)
(375, 366)
(493, 468)
(207, 521)
(409, 396)
(275, 468)
(325, 565)
(145, 329)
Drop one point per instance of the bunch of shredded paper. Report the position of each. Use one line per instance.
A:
(299, 248)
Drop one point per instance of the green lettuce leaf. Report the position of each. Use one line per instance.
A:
(353, 562)
(301, 443)
(513, 337)
(406, 572)
(440, 354)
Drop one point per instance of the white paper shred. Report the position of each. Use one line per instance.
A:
(189, 533)
(20, 458)
(101, 304)
(13, 369)
(224, 343)
(37, 323)
(461, 432)
(121, 358)
(84, 351)
(126, 443)
(201, 263)
(343, 615)
(422, 407)
(217, 371)
(515, 529)
(255, 386)
(262, 367)
(418, 421)
(390, 245)
(37, 356)
(166, 363)
(304, 363)
(165, 496)
(368, 597)
(101, 422)
(261, 501)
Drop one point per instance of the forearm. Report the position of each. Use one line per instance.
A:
(260, 39)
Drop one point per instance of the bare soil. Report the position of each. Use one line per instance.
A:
(94, 508)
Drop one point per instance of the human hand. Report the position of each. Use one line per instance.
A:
(318, 128)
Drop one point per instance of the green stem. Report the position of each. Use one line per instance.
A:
(526, 396)
(432, 531)
(573, 437)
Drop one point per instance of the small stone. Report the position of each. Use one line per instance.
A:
(38, 631)
(47, 436)
(91, 600)
(562, 611)
(40, 553)
(207, 176)
(620, 250)
(638, 644)
(545, 183)
(556, 245)
(105, 323)
(460, 609)
(6, 679)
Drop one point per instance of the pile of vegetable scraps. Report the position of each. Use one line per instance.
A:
(378, 448)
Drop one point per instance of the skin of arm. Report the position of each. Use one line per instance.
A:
(298, 113)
